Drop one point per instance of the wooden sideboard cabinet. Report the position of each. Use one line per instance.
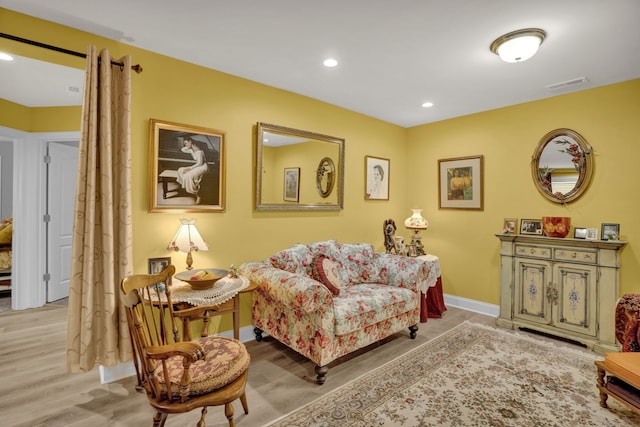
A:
(563, 287)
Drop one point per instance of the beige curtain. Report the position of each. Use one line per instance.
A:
(97, 330)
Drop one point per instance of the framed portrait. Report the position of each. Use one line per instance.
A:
(291, 191)
(610, 232)
(592, 234)
(579, 233)
(531, 226)
(376, 178)
(510, 226)
(186, 168)
(460, 183)
(156, 265)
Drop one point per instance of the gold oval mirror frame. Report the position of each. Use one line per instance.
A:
(325, 177)
(562, 165)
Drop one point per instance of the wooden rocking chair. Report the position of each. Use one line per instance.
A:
(180, 375)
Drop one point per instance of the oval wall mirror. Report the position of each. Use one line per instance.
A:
(280, 149)
(324, 177)
(562, 165)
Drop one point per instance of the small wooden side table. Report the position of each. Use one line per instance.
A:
(623, 383)
(204, 312)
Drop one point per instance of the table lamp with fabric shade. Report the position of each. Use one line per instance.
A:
(188, 239)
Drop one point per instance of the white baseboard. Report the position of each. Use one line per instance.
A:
(124, 370)
(472, 305)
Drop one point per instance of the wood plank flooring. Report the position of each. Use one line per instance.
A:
(36, 390)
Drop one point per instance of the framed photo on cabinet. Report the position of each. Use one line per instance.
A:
(510, 226)
(531, 226)
(610, 232)
(186, 168)
(460, 183)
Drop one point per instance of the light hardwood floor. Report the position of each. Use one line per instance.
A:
(37, 391)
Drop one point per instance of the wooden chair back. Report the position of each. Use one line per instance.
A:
(152, 324)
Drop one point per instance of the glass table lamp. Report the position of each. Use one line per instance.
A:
(416, 223)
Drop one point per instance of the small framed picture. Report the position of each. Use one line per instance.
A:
(592, 234)
(510, 226)
(531, 226)
(610, 232)
(376, 178)
(291, 192)
(156, 265)
(579, 233)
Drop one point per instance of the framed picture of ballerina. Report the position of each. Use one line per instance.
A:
(186, 168)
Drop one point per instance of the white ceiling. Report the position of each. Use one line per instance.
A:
(393, 55)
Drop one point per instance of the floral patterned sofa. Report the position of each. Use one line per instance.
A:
(327, 299)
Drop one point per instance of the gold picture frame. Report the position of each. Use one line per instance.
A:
(460, 183)
(531, 226)
(291, 190)
(186, 168)
(510, 226)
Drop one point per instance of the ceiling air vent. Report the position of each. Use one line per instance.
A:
(567, 84)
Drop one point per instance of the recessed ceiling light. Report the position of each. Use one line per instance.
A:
(330, 62)
(427, 104)
(5, 57)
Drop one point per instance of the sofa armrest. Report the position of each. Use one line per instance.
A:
(294, 290)
(402, 271)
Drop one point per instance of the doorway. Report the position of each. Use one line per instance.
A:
(30, 245)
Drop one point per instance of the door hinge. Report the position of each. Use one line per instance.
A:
(46, 218)
(47, 159)
(46, 277)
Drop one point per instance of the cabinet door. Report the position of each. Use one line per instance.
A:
(532, 279)
(575, 298)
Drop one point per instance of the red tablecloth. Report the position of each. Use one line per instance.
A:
(432, 303)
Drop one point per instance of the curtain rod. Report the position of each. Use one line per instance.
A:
(137, 68)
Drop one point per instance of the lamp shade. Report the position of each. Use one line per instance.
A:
(519, 45)
(416, 221)
(187, 238)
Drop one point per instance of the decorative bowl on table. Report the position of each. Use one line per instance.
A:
(556, 226)
(200, 279)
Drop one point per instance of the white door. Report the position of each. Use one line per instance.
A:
(61, 194)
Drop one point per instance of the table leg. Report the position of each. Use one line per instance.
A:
(236, 316)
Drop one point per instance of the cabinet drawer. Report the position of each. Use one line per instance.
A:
(587, 257)
(533, 251)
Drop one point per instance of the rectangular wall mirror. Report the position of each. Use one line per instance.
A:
(298, 170)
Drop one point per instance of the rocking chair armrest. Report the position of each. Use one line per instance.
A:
(190, 350)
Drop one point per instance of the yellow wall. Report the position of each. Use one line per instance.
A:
(176, 91)
(607, 117)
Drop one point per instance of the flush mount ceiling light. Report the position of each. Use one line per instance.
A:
(518, 46)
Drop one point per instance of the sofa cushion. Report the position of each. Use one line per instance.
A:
(325, 271)
(365, 304)
(296, 259)
(332, 249)
(359, 262)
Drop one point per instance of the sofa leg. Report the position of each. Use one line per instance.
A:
(412, 331)
(322, 374)
(258, 333)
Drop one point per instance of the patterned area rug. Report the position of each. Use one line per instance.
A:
(474, 375)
